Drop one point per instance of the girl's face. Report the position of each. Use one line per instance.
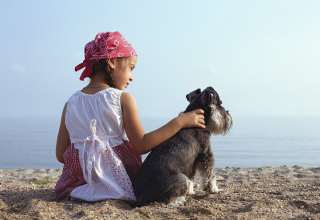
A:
(122, 71)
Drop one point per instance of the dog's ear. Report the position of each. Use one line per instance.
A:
(192, 95)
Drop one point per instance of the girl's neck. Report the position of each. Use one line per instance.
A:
(98, 81)
(95, 86)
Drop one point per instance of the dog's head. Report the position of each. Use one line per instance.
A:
(217, 119)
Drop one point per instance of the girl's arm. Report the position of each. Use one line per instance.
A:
(143, 143)
(63, 140)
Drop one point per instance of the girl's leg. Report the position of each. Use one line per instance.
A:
(71, 176)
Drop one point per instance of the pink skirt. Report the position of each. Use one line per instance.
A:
(72, 176)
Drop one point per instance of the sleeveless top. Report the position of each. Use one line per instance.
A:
(95, 126)
(105, 107)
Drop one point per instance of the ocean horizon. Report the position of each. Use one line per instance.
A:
(29, 142)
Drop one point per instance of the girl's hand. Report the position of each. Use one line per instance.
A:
(194, 118)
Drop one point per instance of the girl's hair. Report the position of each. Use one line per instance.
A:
(103, 67)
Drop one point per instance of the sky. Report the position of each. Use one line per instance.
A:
(261, 56)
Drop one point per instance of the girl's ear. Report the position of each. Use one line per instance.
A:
(111, 63)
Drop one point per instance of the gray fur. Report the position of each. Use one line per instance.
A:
(166, 172)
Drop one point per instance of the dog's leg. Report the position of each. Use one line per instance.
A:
(212, 186)
(190, 186)
(205, 167)
(201, 172)
(178, 186)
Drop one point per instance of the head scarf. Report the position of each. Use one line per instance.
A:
(106, 45)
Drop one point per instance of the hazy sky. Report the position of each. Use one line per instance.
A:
(263, 57)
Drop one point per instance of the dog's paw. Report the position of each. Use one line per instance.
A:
(190, 186)
(212, 189)
(179, 201)
(215, 189)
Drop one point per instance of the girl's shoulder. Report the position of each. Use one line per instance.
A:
(114, 91)
(128, 101)
(109, 90)
(110, 95)
(75, 95)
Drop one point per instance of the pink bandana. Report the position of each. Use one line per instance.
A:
(106, 45)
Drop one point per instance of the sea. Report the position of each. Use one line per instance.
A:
(29, 142)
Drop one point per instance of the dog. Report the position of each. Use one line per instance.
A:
(168, 172)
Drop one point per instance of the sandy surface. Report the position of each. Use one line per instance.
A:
(257, 193)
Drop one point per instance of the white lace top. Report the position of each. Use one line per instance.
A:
(105, 107)
(94, 123)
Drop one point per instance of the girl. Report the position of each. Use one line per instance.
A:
(100, 138)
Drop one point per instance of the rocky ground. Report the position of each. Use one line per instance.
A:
(248, 193)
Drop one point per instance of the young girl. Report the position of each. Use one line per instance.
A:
(101, 138)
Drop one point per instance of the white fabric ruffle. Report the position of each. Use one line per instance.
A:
(104, 172)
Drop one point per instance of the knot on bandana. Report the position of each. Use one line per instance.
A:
(106, 45)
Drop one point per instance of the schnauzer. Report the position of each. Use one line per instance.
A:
(168, 172)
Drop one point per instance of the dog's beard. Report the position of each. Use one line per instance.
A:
(220, 121)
